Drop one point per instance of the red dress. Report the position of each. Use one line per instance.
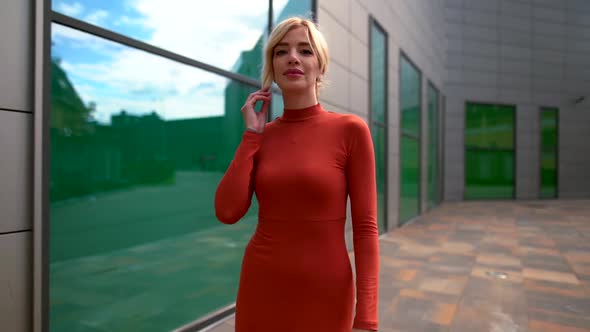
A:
(296, 274)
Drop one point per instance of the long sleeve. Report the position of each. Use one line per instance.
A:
(234, 193)
(360, 175)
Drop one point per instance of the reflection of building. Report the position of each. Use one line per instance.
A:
(132, 150)
(531, 56)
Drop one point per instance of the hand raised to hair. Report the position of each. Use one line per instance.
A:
(256, 120)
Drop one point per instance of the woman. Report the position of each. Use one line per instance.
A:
(296, 274)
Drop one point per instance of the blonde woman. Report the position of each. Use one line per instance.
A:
(296, 275)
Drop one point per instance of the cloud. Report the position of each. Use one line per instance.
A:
(140, 82)
(96, 17)
(126, 20)
(62, 35)
(217, 35)
(73, 9)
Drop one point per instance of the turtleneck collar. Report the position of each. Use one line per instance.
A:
(300, 114)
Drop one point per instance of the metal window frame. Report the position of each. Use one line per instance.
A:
(437, 103)
(44, 16)
(374, 23)
(442, 122)
(403, 56)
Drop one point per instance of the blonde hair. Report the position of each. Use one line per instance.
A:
(316, 40)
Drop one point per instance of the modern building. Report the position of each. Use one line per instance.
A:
(118, 119)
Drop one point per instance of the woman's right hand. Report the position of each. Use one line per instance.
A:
(252, 119)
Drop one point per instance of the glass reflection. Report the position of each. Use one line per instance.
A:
(378, 74)
(410, 101)
(138, 146)
(410, 140)
(224, 33)
(549, 152)
(409, 178)
(433, 137)
(379, 141)
(283, 9)
(378, 78)
(277, 106)
(489, 151)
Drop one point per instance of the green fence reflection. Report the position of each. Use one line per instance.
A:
(134, 242)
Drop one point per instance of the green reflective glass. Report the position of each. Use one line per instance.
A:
(378, 54)
(378, 74)
(549, 118)
(138, 146)
(410, 140)
(410, 178)
(489, 151)
(433, 137)
(277, 106)
(225, 33)
(283, 9)
(379, 142)
(410, 98)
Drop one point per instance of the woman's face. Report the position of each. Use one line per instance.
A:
(295, 64)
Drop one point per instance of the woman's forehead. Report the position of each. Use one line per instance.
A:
(296, 34)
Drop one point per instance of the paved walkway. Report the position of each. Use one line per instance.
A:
(487, 266)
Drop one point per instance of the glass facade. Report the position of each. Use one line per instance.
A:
(138, 145)
(489, 151)
(410, 106)
(433, 140)
(227, 34)
(549, 146)
(378, 56)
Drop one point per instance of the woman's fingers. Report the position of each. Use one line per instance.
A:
(265, 105)
(254, 98)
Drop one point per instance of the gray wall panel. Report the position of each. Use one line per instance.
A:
(16, 68)
(541, 58)
(15, 282)
(15, 171)
(417, 28)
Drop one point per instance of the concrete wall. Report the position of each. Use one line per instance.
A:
(16, 119)
(414, 27)
(527, 53)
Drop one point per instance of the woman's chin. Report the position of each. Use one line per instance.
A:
(294, 87)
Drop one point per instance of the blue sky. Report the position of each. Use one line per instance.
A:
(117, 77)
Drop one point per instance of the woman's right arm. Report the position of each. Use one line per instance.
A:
(234, 193)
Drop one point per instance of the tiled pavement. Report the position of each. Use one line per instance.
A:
(437, 273)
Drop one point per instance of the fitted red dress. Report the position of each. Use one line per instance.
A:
(296, 275)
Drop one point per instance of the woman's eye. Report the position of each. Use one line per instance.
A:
(280, 52)
(307, 52)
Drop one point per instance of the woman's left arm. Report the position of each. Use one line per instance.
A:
(360, 174)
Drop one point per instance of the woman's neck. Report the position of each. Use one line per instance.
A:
(297, 101)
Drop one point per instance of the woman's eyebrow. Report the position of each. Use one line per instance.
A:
(298, 44)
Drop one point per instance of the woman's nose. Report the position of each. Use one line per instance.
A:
(293, 57)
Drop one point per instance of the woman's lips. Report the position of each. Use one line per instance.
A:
(293, 72)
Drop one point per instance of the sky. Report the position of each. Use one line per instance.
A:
(117, 77)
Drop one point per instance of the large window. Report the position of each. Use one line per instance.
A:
(549, 134)
(489, 151)
(410, 92)
(226, 34)
(378, 56)
(433, 144)
(139, 143)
